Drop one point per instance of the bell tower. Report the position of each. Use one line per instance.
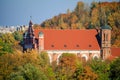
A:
(105, 42)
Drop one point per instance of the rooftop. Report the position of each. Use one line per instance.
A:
(69, 39)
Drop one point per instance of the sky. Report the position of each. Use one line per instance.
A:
(18, 12)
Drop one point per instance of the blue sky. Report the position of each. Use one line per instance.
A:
(18, 12)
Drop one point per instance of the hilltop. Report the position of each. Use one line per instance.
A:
(89, 17)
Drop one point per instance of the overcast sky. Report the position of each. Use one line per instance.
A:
(18, 12)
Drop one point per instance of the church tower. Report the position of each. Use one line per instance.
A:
(29, 38)
(105, 41)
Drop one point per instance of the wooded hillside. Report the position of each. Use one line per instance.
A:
(86, 17)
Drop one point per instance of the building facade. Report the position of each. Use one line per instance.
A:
(86, 44)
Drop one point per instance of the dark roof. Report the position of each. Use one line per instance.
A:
(69, 39)
(106, 27)
(30, 23)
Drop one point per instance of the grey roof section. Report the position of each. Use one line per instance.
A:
(106, 27)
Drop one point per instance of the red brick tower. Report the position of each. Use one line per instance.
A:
(105, 41)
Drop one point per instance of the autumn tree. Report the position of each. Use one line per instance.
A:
(27, 71)
(79, 9)
(85, 73)
(13, 66)
(66, 67)
(100, 68)
(7, 41)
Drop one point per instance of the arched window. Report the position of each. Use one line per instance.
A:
(84, 57)
(95, 57)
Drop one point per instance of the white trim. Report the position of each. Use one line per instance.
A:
(41, 36)
(58, 58)
(73, 51)
(50, 58)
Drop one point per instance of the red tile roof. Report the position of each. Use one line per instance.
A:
(115, 53)
(69, 39)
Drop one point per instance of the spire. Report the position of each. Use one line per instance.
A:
(30, 29)
(30, 23)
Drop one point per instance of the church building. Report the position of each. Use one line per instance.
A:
(85, 43)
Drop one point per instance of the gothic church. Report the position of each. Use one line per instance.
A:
(86, 43)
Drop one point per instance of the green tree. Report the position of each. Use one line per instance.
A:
(45, 65)
(5, 47)
(115, 69)
(101, 68)
(18, 36)
(87, 74)
(27, 72)
(7, 38)
(7, 42)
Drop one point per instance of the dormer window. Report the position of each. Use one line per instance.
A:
(65, 45)
(77, 45)
(52, 45)
(90, 45)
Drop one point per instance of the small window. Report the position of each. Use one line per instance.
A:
(90, 45)
(52, 45)
(77, 45)
(65, 45)
(106, 37)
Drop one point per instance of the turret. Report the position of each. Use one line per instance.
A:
(41, 41)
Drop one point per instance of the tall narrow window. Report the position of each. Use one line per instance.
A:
(106, 37)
